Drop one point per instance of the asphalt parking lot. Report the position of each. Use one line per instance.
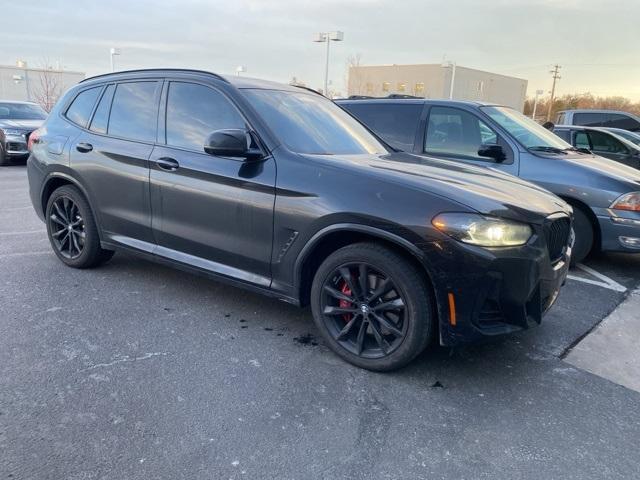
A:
(137, 371)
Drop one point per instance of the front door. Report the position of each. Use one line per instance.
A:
(456, 134)
(214, 213)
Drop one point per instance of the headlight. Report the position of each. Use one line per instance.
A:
(483, 231)
(628, 201)
(11, 131)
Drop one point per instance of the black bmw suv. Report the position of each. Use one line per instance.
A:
(276, 189)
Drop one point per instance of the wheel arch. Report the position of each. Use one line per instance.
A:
(575, 203)
(56, 180)
(331, 238)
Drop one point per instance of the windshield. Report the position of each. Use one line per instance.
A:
(525, 130)
(309, 123)
(21, 111)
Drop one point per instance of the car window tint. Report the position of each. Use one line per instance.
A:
(563, 134)
(194, 112)
(454, 131)
(101, 117)
(618, 120)
(605, 143)
(134, 111)
(395, 123)
(560, 119)
(80, 109)
(582, 141)
(588, 119)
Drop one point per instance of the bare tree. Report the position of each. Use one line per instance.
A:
(355, 78)
(49, 86)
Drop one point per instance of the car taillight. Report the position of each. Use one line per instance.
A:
(33, 138)
(628, 201)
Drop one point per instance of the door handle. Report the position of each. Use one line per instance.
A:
(84, 147)
(168, 164)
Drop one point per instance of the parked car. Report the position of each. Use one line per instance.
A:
(276, 189)
(17, 121)
(633, 137)
(599, 118)
(601, 142)
(605, 195)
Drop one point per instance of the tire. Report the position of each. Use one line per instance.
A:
(370, 342)
(4, 159)
(81, 249)
(585, 237)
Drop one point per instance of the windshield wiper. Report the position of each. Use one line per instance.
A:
(545, 148)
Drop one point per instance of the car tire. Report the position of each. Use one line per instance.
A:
(72, 229)
(4, 159)
(374, 330)
(584, 236)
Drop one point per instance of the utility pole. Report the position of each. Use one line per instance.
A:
(556, 76)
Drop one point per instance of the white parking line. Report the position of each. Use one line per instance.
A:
(605, 282)
(24, 254)
(28, 232)
(14, 209)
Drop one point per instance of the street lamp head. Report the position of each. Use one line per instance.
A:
(320, 37)
(336, 36)
(114, 51)
(539, 92)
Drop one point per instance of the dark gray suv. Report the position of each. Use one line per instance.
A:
(605, 195)
(276, 189)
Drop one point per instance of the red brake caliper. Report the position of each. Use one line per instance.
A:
(345, 304)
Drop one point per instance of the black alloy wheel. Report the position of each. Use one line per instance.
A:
(373, 306)
(363, 310)
(72, 229)
(67, 228)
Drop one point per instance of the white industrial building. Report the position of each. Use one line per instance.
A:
(437, 81)
(41, 85)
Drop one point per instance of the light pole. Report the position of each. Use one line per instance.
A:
(240, 69)
(113, 52)
(328, 37)
(535, 103)
(453, 77)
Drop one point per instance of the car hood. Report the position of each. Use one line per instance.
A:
(25, 125)
(482, 189)
(604, 167)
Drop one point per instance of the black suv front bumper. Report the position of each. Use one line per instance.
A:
(484, 292)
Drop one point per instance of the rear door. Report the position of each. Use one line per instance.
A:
(111, 157)
(457, 134)
(211, 212)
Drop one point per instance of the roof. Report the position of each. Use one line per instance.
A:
(418, 101)
(236, 81)
(594, 110)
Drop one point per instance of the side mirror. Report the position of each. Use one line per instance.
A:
(233, 142)
(492, 151)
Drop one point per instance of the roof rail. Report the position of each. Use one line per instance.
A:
(359, 97)
(402, 95)
(144, 70)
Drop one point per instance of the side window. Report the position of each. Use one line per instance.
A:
(134, 111)
(80, 109)
(582, 141)
(588, 119)
(454, 131)
(195, 111)
(563, 134)
(101, 117)
(606, 143)
(395, 123)
(560, 119)
(617, 120)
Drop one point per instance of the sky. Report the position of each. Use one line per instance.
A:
(595, 42)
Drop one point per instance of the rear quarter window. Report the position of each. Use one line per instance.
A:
(395, 123)
(80, 109)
